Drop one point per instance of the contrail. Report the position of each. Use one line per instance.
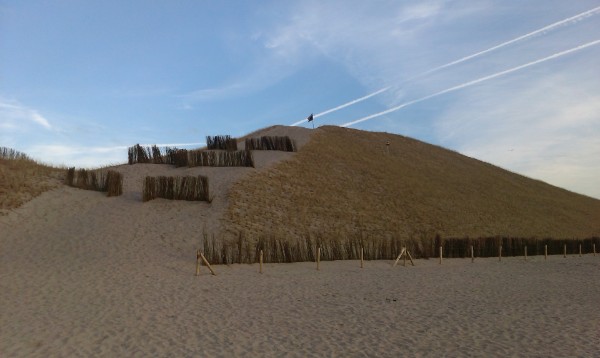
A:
(471, 83)
(571, 19)
(344, 105)
(568, 20)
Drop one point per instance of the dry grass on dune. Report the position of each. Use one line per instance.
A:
(22, 179)
(346, 182)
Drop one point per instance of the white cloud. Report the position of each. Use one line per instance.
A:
(14, 115)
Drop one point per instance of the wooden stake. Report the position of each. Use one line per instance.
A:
(197, 262)
(594, 248)
(410, 257)
(318, 257)
(472, 254)
(440, 255)
(525, 253)
(545, 252)
(565, 250)
(207, 264)
(579, 250)
(362, 252)
(398, 258)
(260, 261)
(404, 250)
(500, 253)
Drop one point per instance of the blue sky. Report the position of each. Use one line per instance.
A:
(82, 80)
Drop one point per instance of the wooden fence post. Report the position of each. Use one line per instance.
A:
(260, 261)
(594, 248)
(525, 252)
(197, 262)
(318, 257)
(207, 264)
(472, 254)
(500, 253)
(398, 258)
(362, 252)
(579, 250)
(545, 252)
(565, 250)
(440, 255)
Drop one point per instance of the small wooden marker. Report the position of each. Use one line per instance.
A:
(362, 252)
(500, 253)
(399, 257)
(207, 264)
(545, 252)
(579, 250)
(565, 250)
(260, 260)
(525, 253)
(404, 252)
(410, 258)
(472, 254)
(197, 262)
(318, 257)
(440, 255)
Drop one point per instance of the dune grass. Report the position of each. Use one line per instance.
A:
(345, 183)
(22, 178)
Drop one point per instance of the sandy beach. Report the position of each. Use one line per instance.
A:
(85, 285)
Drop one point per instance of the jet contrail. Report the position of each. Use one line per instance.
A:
(471, 83)
(568, 20)
(344, 105)
(571, 19)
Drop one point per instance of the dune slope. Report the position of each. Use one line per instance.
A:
(346, 181)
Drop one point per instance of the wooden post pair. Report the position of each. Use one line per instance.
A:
(200, 256)
(404, 252)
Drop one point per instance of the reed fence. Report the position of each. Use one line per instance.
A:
(285, 144)
(203, 158)
(279, 250)
(222, 142)
(189, 188)
(154, 155)
(12, 154)
(109, 181)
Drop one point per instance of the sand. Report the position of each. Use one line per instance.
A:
(74, 288)
(86, 275)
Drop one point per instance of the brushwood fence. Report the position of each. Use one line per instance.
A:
(191, 158)
(222, 142)
(278, 250)
(189, 188)
(285, 144)
(202, 158)
(177, 157)
(12, 154)
(109, 181)
(156, 155)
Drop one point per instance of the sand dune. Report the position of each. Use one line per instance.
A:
(86, 275)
